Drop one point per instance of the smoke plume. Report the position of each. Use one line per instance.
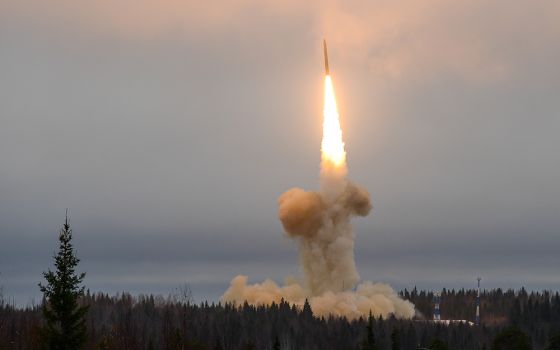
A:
(319, 222)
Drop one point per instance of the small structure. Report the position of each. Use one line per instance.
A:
(449, 322)
(437, 313)
(477, 319)
(437, 299)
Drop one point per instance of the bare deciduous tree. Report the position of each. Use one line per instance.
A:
(182, 294)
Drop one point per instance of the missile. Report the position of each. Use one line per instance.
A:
(326, 57)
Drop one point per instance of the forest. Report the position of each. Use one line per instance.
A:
(154, 322)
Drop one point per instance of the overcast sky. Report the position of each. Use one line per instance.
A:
(170, 128)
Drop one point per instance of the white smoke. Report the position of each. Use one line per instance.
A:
(379, 298)
(320, 224)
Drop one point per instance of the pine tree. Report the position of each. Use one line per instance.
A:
(307, 312)
(438, 344)
(65, 327)
(276, 343)
(554, 341)
(218, 344)
(512, 338)
(395, 340)
(369, 341)
(249, 345)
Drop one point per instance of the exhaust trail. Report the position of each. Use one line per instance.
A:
(319, 222)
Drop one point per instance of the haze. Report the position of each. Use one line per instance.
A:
(170, 129)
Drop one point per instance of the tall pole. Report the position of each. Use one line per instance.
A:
(477, 320)
(437, 314)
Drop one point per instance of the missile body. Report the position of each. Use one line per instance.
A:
(326, 57)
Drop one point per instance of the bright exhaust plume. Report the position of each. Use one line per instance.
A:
(332, 146)
(319, 222)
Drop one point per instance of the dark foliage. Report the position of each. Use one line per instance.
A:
(395, 339)
(154, 322)
(512, 338)
(276, 344)
(554, 341)
(64, 326)
(369, 341)
(438, 344)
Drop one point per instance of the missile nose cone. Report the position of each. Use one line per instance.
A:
(326, 57)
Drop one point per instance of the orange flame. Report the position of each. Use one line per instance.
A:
(332, 146)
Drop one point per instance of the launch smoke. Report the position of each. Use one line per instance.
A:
(321, 227)
(319, 222)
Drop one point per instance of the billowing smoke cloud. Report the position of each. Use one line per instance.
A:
(320, 224)
(379, 298)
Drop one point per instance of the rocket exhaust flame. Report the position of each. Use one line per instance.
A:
(319, 222)
(332, 146)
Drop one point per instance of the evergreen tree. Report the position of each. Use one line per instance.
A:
(369, 342)
(65, 327)
(512, 339)
(438, 344)
(218, 344)
(276, 343)
(395, 340)
(554, 341)
(250, 345)
(306, 311)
